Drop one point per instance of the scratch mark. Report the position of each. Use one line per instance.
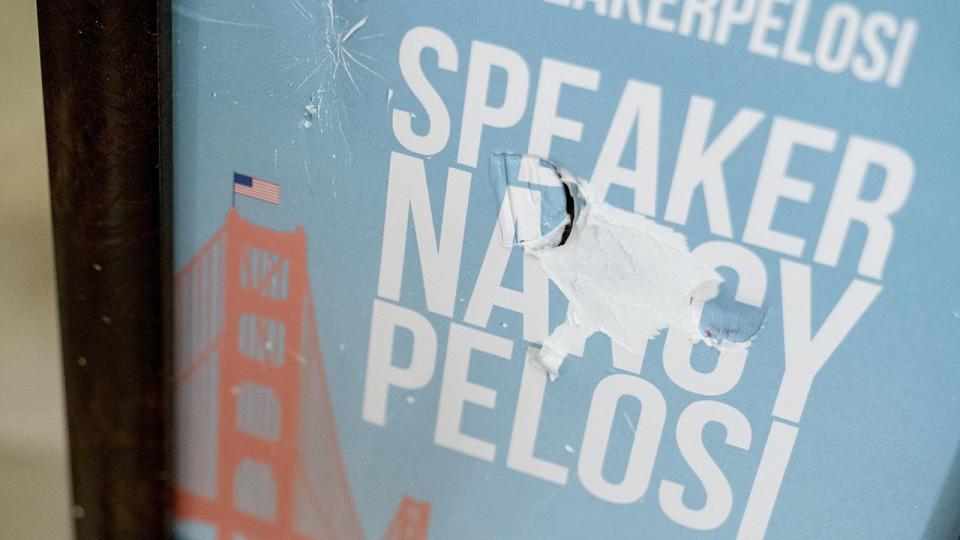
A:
(333, 58)
(353, 29)
(303, 10)
(361, 64)
(543, 503)
(336, 35)
(633, 426)
(310, 76)
(190, 14)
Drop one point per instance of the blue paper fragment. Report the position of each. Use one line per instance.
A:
(534, 190)
(725, 320)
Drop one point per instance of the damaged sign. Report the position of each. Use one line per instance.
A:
(622, 273)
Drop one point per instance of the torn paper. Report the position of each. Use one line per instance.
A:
(726, 324)
(533, 187)
(622, 273)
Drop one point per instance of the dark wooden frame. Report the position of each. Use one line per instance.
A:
(106, 81)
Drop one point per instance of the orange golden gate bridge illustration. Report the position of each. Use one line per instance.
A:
(256, 448)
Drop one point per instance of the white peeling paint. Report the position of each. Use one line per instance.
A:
(623, 275)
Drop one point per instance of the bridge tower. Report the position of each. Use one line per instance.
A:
(257, 454)
(410, 522)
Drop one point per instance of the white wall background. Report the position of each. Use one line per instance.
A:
(33, 458)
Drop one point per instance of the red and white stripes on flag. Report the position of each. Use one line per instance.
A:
(250, 186)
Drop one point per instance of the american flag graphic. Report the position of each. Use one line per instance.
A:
(257, 188)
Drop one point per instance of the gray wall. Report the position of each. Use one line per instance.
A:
(33, 461)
